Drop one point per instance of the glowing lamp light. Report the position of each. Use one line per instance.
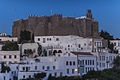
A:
(76, 70)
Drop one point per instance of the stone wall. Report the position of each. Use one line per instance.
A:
(57, 25)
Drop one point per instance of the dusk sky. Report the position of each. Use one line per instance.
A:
(107, 12)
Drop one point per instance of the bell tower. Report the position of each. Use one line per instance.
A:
(89, 14)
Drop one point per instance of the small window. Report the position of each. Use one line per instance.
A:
(4, 56)
(17, 67)
(48, 67)
(67, 71)
(68, 54)
(55, 74)
(86, 62)
(73, 62)
(66, 62)
(47, 39)
(70, 63)
(61, 74)
(68, 45)
(79, 45)
(4, 78)
(53, 67)
(15, 56)
(38, 39)
(35, 67)
(57, 39)
(29, 76)
(43, 67)
(72, 71)
(27, 68)
(10, 56)
(23, 76)
(43, 40)
(23, 68)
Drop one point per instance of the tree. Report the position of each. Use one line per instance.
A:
(64, 78)
(39, 75)
(116, 62)
(92, 75)
(39, 49)
(28, 52)
(108, 37)
(111, 46)
(4, 68)
(50, 77)
(44, 52)
(10, 46)
(25, 36)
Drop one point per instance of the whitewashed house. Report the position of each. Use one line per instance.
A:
(11, 39)
(10, 56)
(32, 46)
(69, 43)
(86, 62)
(116, 44)
(105, 60)
(59, 65)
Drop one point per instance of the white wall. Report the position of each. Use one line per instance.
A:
(10, 56)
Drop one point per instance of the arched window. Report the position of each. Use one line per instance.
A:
(50, 52)
(70, 63)
(54, 52)
(59, 51)
(37, 60)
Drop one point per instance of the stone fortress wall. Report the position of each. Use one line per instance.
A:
(57, 25)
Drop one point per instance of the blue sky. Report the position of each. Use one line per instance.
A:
(107, 12)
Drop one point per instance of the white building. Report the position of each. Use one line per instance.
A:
(32, 46)
(105, 60)
(67, 56)
(11, 39)
(10, 56)
(3, 34)
(59, 65)
(6, 76)
(86, 62)
(69, 43)
(62, 64)
(116, 44)
(12, 74)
